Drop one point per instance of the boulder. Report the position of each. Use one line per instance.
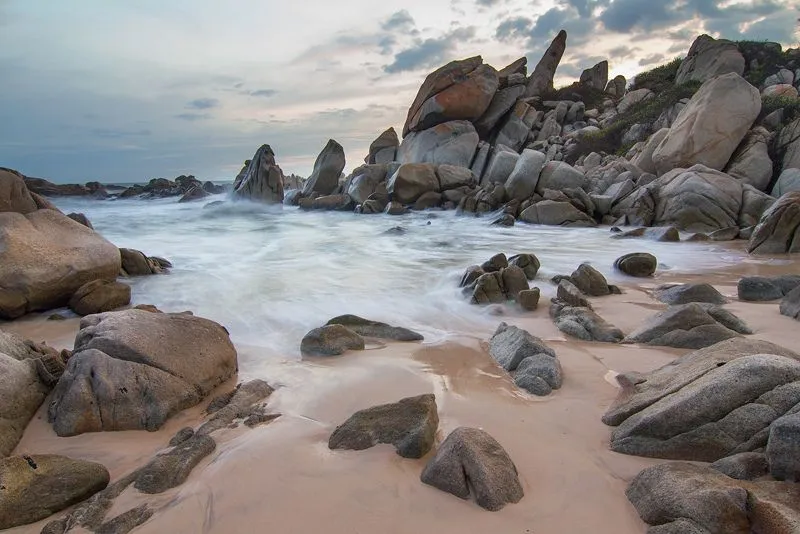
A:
(789, 144)
(690, 326)
(783, 448)
(510, 345)
(788, 182)
(644, 159)
(501, 164)
(411, 181)
(590, 281)
(100, 296)
(633, 99)
(616, 87)
(367, 328)
(743, 466)
(778, 231)
(781, 90)
(171, 469)
(261, 179)
(790, 305)
(751, 163)
(539, 374)
(37, 486)
(552, 213)
(133, 369)
(711, 126)
(541, 80)
(81, 219)
(596, 77)
(568, 293)
(194, 193)
(558, 176)
(529, 299)
(409, 425)
(638, 264)
(21, 393)
(366, 180)
(686, 293)
(45, 257)
(515, 130)
(470, 461)
(708, 58)
(14, 194)
(135, 263)
(328, 168)
(529, 263)
(754, 205)
(330, 340)
(383, 149)
(761, 289)
(584, 323)
(451, 143)
(452, 177)
(489, 289)
(521, 183)
(503, 101)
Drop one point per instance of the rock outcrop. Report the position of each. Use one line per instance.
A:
(451, 143)
(541, 79)
(328, 168)
(708, 58)
(778, 231)
(511, 347)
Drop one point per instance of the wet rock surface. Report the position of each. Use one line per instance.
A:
(330, 340)
(367, 328)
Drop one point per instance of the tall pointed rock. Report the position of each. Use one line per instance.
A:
(542, 78)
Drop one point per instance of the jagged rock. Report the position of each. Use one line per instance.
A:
(409, 425)
(34, 487)
(539, 374)
(585, 324)
(521, 183)
(790, 305)
(172, 468)
(451, 143)
(384, 148)
(132, 369)
(367, 328)
(567, 292)
(460, 90)
(596, 77)
(529, 299)
(690, 326)
(639, 264)
(488, 289)
(590, 281)
(21, 393)
(706, 132)
(411, 181)
(783, 448)
(45, 257)
(510, 345)
(100, 296)
(330, 340)
(81, 219)
(328, 168)
(472, 461)
(778, 232)
(708, 58)
(788, 182)
(554, 213)
(686, 293)
(541, 80)
(244, 402)
(743, 466)
(759, 288)
(195, 193)
(261, 179)
(751, 162)
(529, 263)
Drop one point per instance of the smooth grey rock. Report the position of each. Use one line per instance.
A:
(558, 176)
(452, 177)
(567, 292)
(778, 231)
(409, 425)
(450, 143)
(521, 183)
(790, 305)
(584, 324)
(411, 181)
(688, 326)
(590, 281)
(330, 340)
(760, 288)
(686, 293)
(510, 345)
(21, 394)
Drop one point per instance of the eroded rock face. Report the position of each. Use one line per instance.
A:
(410, 425)
(778, 231)
(45, 257)
(460, 90)
(34, 487)
(711, 126)
(709, 57)
(328, 168)
(132, 370)
(541, 79)
(260, 180)
(472, 461)
(172, 468)
(14, 194)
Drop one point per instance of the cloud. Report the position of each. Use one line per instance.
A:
(264, 93)
(652, 59)
(401, 20)
(203, 103)
(513, 28)
(429, 53)
(193, 116)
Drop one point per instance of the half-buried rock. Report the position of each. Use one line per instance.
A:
(472, 461)
(330, 340)
(367, 328)
(790, 305)
(762, 289)
(584, 323)
(37, 486)
(535, 366)
(132, 370)
(686, 293)
(410, 425)
(638, 264)
(100, 296)
(172, 468)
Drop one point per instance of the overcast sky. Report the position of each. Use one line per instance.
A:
(127, 91)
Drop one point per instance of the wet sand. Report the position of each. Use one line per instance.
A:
(282, 475)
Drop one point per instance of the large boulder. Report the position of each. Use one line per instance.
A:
(132, 370)
(37, 486)
(452, 143)
(452, 177)
(409, 425)
(553, 213)
(100, 296)
(751, 163)
(45, 257)
(261, 179)
(365, 181)
(383, 149)
(788, 182)
(14, 195)
(411, 181)
(711, 126)
(596, 77)
(639, 264)
(521, 183)
(541, 80)
(789, 144)
(503, 101)
(778, 231)
(644, 159)
(708, 58)
(328, 168)
(21, 394)
(460, 90)
(558, 175)
(470, 461)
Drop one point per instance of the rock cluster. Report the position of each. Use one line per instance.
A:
(535, 365)
(501, 279)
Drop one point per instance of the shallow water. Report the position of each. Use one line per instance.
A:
(270, 274)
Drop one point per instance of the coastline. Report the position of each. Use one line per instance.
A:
(283, 475)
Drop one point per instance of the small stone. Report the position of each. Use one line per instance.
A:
(529, 299)
(687, 293)
(172, 468)
(330, 340)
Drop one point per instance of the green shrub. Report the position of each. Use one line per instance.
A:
(790, 106)
(591, 97)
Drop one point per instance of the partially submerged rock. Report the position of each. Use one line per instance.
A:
(790, 305)
(778, 231)
(330, 340)
(375, 329)
(760, 288)
(135, 263)
(470, 461)
(584, 323)
(510, 345)
(409, 425)
(638, 264)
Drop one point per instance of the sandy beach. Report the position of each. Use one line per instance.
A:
(282, 475)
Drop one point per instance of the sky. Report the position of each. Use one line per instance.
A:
(128, 91)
